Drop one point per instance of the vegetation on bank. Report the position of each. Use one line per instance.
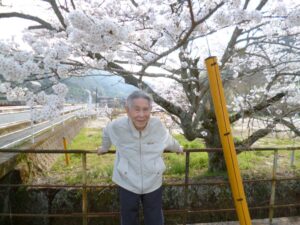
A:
(99, 168)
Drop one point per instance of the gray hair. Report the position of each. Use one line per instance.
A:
(138, 94)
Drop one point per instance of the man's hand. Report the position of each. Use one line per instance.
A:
(181, 152)
(100, 151)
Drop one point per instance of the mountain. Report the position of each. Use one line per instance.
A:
(106, 86)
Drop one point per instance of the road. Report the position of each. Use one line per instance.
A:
(11, 139)
(14, 117)
(24, 115)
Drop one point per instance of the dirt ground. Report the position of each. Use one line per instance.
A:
(99, 122)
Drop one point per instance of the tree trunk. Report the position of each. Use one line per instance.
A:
(216, 161)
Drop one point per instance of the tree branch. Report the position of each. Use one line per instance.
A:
(290, 125)
(73, 5)
(260, 106)
(43, 23)
(261, 4)
(184, 117)
(185, 38)
(236, 33)
(134, 3)
(256, 136)
(230, 47)
(246, 4)
(130, 79)
(57, 12)
(170, 107)
(191, 12)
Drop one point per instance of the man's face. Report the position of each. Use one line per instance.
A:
(139, 112)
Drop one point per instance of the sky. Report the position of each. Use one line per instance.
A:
(13, 27)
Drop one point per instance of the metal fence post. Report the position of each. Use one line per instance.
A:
(67, 156)
(84, 191)
(273, 188)
(186, 186)
(293, 158)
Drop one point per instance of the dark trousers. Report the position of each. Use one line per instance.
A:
(151, 203)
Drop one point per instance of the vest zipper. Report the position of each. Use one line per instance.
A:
(141, 160)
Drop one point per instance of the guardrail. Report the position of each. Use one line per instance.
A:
(85, 187)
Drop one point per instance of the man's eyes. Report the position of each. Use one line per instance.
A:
(138, 110)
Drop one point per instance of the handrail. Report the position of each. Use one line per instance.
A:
(79, 151)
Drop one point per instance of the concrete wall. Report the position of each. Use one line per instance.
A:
(18, 168)
(31, 164)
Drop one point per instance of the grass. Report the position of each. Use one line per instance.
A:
(197, 143)
(259, 164)
(88, 139)
(176, 163)
(99, 168)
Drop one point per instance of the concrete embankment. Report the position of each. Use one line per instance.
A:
(4, 129)
(45, 140)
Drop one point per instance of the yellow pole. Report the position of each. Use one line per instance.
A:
(67, 156)
(217, 93)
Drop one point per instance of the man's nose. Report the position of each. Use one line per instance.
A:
(141, 113)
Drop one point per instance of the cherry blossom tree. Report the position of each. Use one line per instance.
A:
(256, 42)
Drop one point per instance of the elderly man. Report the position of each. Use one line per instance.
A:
(140, 141)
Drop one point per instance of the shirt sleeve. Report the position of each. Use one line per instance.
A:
(172, 144)
(106, 142)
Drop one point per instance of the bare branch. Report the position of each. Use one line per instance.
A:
(261, 4)
(246, 4)
(155, 75)
(43, 23)
(191, 12)
(186, 36)
(57, 12)
(257, 108)
(73, 5)
(236, 33)
(290, 125)
(257, 135)
(130, 79)
(170, 107)
(134, 3)
(230, 47)
(66, 8)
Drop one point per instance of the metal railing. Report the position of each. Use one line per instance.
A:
(186, 211)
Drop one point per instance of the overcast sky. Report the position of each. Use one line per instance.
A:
(13, 26)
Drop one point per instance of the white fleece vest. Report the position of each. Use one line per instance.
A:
(138, 164)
